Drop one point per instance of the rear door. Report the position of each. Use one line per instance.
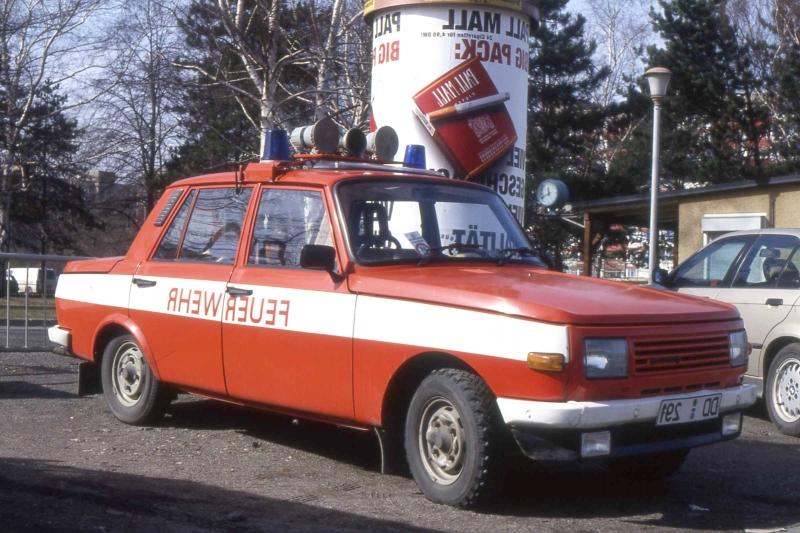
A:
(287, 331)
(178, 294)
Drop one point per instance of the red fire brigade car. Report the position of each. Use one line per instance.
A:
(397, 301)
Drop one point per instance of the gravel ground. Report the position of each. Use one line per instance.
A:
(67, 464)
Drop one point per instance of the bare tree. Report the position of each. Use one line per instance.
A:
(769, 30)
(132, 125)
(39, 43)
(622, 30)
(342, 86)
(288, 56)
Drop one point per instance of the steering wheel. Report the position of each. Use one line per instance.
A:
(379, 241)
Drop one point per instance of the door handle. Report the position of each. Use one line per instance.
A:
(236, 291)
(774, 302)
(143, 283)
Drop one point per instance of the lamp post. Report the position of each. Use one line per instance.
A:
(658, 79)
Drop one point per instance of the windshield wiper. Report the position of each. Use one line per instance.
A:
(506, 253)
(452, 247)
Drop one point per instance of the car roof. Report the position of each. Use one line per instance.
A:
(765, 231)
(316, 173)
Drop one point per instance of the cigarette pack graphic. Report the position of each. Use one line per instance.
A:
(466, 115)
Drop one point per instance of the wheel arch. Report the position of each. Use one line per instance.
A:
(406, 379)
(775, 346)
(114, 326)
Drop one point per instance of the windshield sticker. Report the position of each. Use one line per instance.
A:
(420, 245)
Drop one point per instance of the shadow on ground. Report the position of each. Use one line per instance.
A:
(749, 483)
(40, 495)
(746, 481)
(359, 448)
(17, 390)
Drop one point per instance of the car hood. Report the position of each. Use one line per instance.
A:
(537, 294)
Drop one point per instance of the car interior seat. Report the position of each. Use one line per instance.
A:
(780, 272)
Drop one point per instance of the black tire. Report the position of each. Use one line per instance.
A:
(782, 391)
(132, 392)
(652, 467)
(465, 410)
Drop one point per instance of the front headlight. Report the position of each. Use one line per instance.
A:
(605, 358)
(740, 348)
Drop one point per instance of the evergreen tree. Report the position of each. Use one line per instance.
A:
(48, 211)
(713, 122)
(564, 124)
(786, 74)
(216, 135)
(563, 121)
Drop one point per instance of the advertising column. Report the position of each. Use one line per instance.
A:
(453, 77)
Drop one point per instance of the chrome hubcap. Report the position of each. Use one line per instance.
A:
(128, 374)
(787, 390)
(441, 441)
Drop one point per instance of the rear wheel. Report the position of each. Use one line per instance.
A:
(132, 392)
(783, 390)
(652, 467)
(451, 438)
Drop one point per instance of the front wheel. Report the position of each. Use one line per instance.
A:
(451, 438)
(783, 390)
(132, 392)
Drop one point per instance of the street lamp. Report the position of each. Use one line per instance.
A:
(658, 79)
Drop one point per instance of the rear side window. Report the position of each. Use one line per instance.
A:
(168, 249)
(215, 226)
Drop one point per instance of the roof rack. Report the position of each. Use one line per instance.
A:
(334, 164)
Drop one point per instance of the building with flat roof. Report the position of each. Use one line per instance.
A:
(698, 216)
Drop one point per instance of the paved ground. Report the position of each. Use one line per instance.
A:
(14, 336)
(66, 464)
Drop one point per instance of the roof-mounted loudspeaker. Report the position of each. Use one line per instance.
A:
(354, 142)
(323, 135)
(383, 142)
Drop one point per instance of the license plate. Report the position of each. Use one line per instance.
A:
(684, 410)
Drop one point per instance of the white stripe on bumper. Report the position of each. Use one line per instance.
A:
(589, 415)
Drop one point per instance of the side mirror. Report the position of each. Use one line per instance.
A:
(660, 277)
(318, 257)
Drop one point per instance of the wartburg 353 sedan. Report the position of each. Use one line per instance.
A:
(400, 302)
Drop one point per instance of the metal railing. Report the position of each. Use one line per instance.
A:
(29, 287)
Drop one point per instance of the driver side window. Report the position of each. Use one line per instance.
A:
(287, 220)
(710, 266)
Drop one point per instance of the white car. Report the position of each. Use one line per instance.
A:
(31, 281)
(758, 272)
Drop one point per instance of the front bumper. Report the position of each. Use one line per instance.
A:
(593, 415)
(553, 430)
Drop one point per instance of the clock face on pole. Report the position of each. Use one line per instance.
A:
(552, 193)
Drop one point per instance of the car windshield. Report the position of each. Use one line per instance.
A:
(395, 221)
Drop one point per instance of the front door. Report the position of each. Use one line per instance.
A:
(712, 268)
(178, 294)
(287, 331)
(765, 288)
